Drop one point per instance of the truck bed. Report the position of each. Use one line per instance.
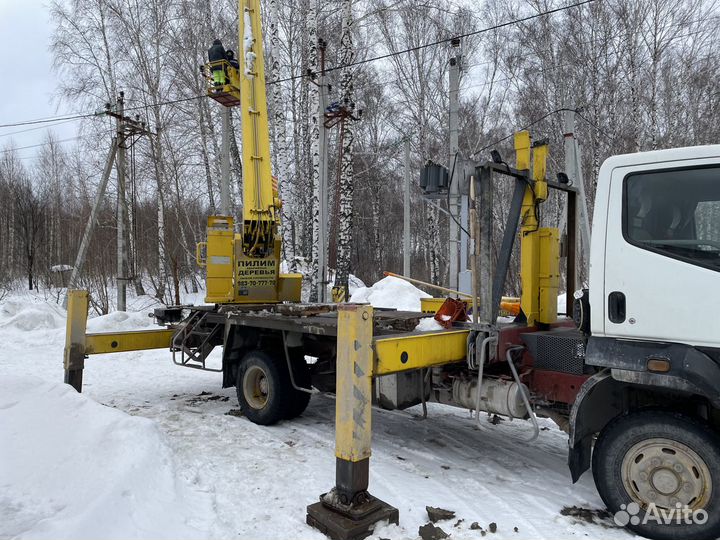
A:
(316, 319)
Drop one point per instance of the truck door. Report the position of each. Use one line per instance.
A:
(662, 253)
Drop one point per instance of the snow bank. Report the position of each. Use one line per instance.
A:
(119, 321)
(390, 292)
(72, 468)
(355, 283)
(28, 313)
(303, 267)
(22, 313)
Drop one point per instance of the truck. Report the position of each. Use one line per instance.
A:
(633, 375)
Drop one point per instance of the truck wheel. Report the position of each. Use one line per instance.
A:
(263, 388)
(649, 464)
(301, 373)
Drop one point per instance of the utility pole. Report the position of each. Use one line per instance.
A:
(323, 179)
(121, 278)
(584, 218)
(126, 129)
(225, 204)
(464, 275)
(485, 260)
(337, 115)
(574, 171)
(406, 212)
(454, 195)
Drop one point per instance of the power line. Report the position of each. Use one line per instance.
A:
(404, 51)
(536, 121)
(6, 150)
(578, 112)
(48, 120)
(459, 36)
(61, 122)
(77, 116)
(467, 66)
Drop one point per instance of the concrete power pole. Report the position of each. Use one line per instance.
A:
(454, 240)
(126, 128)
(225, 203)
(121, 278)
(323, 179)
(406, 212)
(574, 171)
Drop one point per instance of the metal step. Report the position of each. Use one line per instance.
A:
(192, 331)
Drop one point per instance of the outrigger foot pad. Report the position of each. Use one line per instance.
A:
(349, 521)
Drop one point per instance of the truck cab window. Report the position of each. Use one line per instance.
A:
(675, 213)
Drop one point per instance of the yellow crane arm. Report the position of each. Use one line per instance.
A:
(244, 268)
(260, 203)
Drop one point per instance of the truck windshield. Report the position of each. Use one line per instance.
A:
(675, 213)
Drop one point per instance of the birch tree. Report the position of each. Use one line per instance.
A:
(280, 153)
(346, 186)
(314, 104)
(420, 82)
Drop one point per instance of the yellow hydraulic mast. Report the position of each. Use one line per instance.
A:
(260, 204)
(539, 246)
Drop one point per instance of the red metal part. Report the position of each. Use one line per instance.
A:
(545, 384)
(554, 385)
(509, 336)
(451, 310)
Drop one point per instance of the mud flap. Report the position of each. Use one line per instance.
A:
(598, 401)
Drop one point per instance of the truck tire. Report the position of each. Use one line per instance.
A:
(301, 374)
(647, 463)
(263, 388)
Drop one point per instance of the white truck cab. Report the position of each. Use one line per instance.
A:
(649, 419)
(655, 256)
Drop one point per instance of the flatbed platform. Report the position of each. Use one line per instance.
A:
(315, 319)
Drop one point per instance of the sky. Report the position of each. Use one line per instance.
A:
(28, 86)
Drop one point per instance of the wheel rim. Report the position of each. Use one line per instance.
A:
(667, 473)
(256, 387)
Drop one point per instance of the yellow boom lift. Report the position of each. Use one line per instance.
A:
(244, 267)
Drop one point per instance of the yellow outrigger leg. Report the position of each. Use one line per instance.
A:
(79, 344)
(348, 511)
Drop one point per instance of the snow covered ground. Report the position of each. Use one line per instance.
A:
(150, 451)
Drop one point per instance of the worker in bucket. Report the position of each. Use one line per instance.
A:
(216, 53)
(230, 55)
